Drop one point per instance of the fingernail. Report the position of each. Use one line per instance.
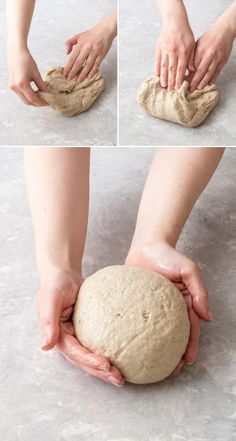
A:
(189, 363)
(210, 315)
(163, 84)
(104, 368)
(114, 382)
(45, 340)
(101, 367)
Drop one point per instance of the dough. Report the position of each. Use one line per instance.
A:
(179, 106)
(136, 318)
(69, 97)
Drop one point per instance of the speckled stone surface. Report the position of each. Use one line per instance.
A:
(43, 397)
(140, 25)
(53, 23)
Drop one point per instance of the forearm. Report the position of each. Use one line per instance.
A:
(176, 179)
(19, 15)
(58, 188)
(228, 19)
(110, 22)
(172, 9)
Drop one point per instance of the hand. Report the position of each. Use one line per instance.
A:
(89, 49)
(55, 303)
(212, 52)
(174, 52)
(186, 276)
(22, 71)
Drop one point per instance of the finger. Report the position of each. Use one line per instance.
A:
(32, 96)
(114, 377)
(158, 63)
(39, 82)
(68, 328)
(23, 98)
(208, 76)
(77, 354)
(193, 343)
(172, 68)
(192, 279)
(49, 307)
(217, 72)
(164, 70)
(88, 66)
(178, 367)
(181, 68)
(199, 74)
(78, 65)
(95, 67)
(71, 61)
(70, 43)
(67, 313)
(191, 67)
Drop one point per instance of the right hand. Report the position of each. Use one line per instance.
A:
(184, 273)
(22, 71)
(174, 52)
(55, 303)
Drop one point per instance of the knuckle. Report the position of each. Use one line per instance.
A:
(88, 46)
(192, 267)
(95, 46)
(183, 51)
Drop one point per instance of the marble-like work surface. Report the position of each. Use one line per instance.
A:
(43, 397)
(140, 26)
(53, 23)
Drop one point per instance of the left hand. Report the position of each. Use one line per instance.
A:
(89, 49)
(212, 52)
(185, 274)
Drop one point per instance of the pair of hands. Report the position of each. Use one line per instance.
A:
(57, 296)
(87, 50)
(177, 52)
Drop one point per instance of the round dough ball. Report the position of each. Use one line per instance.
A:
(136, 318)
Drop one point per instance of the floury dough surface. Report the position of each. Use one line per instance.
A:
(69, 97)
(136, 318)
(179, 106)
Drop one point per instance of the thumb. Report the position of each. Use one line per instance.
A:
(69, 44)
(191, 67)
(49, 310)
(39, 82)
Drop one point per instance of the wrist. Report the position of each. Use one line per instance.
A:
(227, 23)
(108, 25)
(140, 254)
(50, 272)
(172, 10)
(50, 263)
(16, 44)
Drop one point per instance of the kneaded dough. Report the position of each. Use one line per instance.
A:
(179, 106)
(69, 97)
(136, 318)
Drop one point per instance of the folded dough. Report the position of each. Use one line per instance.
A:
(180, 106)
(69, 97)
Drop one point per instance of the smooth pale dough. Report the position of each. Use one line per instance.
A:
(69, 97)
(179, 106)
(136, 318)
